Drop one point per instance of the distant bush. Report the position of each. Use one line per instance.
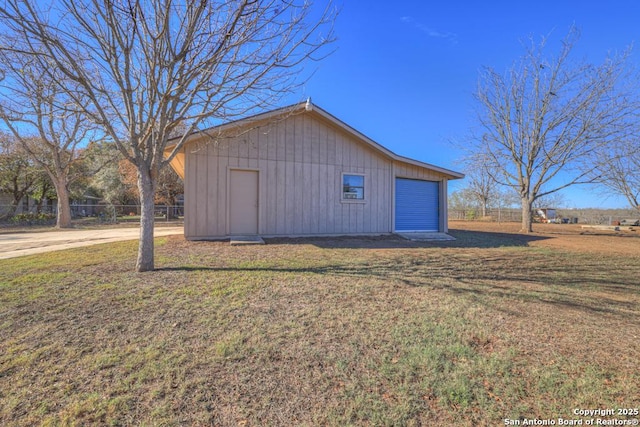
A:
(471, 214)
(33, 218)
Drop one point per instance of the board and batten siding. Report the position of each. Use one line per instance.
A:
(300, 161)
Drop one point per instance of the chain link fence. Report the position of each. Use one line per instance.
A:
(499, 215)
(106, 213)
(574, 216)
(123, 213)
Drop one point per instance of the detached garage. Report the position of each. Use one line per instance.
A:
(299, 171)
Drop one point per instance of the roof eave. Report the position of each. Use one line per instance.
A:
(308, 107)
(451, 174)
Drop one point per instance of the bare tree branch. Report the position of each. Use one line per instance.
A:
(618, 169)
(542, 122)
(51, 127)
(147, 67)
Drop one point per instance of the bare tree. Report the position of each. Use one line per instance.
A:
(541, 122)
(552, 200)
(619, 170)
(46, 121)
(149, 66)
(170, 186)
(480, 181)
(17, 173)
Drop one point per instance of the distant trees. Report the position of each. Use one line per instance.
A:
(117, 183)
(49, 124)
(18, 176)
(147, 67)
(541, 122)
(99, 170)
(481, 187)
(42, 190)
(464, 203)
(619, 170)
(22, 178)
(170, 186)
(128, 181)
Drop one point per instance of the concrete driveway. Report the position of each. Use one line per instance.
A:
(18, 244)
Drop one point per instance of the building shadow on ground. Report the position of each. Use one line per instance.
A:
(464, 239)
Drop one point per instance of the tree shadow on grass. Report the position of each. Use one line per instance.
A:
(464, 239)
(499, 277)
(533, 276)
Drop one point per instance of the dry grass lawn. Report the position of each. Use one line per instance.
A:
(371, 331)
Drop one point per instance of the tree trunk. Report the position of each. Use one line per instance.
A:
(170, 211)
(18, 195)
(63, 218)
(15, 205)
(527, 219)
(146, 186)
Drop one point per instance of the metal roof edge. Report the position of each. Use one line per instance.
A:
(383, 149)
(308, 107)
(453, 174)
(240, 122)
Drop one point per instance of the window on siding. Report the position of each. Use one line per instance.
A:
(352, 187)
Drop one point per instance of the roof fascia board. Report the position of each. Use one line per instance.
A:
(352, 131)
(381, 148)
(452, 174)
(307, 107)
(243, 122)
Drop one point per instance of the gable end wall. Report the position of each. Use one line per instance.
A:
(300, 161)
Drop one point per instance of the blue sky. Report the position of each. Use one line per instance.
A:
(404, 71)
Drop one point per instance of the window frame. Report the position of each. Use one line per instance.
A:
(344, 199)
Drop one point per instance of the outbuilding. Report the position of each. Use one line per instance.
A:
(300, 171)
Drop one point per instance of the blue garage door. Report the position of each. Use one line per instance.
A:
(417, 205)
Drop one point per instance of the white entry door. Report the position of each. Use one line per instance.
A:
(243, 202)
